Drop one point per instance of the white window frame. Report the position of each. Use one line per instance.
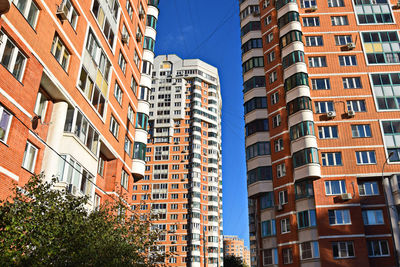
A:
(339, 20)
(362, 186)
(285, 226)
(36, 110)
(350, 82)
(283, 197)
(276, 121)
(350, 60)
(314, 250)
(64, 51)
(118, 94)
(369, 158)
(317, 62)
(343, 215)
(324, 157)
(274, 98)
(371, 243)
(281, 170)
(371, 217)
(356, 105)
(25, 163)
(346, 245)
(273, 76)
(27, 10)
(322, 134)
(356, 129)
(269, 37)
(122, 62)
(343, 39)
(124, 179)
(328, 185)
(271, 57)
(311, 22)
(7, 130)
(114, 127)
(15, 52)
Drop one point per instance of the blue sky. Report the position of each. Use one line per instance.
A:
(210, 30)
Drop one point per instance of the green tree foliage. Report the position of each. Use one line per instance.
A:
(40, 226)
(233, 261)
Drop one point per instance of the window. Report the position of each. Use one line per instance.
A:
(292, 58)
(356, 105)
(101, 166)
(304, 189)
(104, 21)
(29, 10)
(127, 145)
(287, 255)
(328, 132)
(391, 131)
(255, 103)
(309, 250)
(317, 62)
(287, 18)
(306, 219)
(30, 155)
(251, 44)
(255, 82)
(301, 129)
(267, 200)
(343, 39)
(342, 249)
(251, 26)
(275, 98)
(308, 3)
(335, 3)
(124, 179)
(305, 156)
(258, 149)
(268, 228)
(5, 123)
(351, 82)
(335, 187)
(285, 226)
(259, 174)
(256, 126)
(347, 60)
(368, 188)
(297, 104)
(78, 125)
(373, 12)
(365, 157)
(273, 76)
(151, 21)
(270, 256)
(281, 170)
(361, 130)
(320, 84)
(291, 37)
(378, 248)
(268, 20)
(149, 43)
(283, 197)
(92, 92)
(372, 217)
(278, 145)
(114, 126)
(324, 106)
(254, 62)
(339, 20)
(118, 93)
(314, 41)
(276, 121)
(271, 57)
(385, 86)
(72, 15)
(131, 114)
(269, 37)
(331, 159)
(40, 105)
(311, 21)
(122, 62)
(297, 79)
(339, 217)
(11, 57)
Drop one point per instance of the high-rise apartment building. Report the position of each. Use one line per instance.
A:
(183, 180)
(234, 246)
(321, 90)
(72, 77)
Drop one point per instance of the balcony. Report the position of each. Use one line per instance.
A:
(312, 170)
(303, 142)
(259, 187)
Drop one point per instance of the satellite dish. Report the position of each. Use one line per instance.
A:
(35, 122)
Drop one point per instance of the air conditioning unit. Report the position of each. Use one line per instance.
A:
(351, 113)
(351, 45)
(71, 189)
(139, 37)
(141, 13)
(62, 11)
(279, 207)
(313, 8)
(124, 38)
(346, 196)
(331, 114)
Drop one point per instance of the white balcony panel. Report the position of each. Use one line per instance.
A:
(251, 35)
(257, 137)
(255, 52)
(269, 242)
(311, 263)
(308, 235)
(249, 18)
(150, 32)
(308, 170)
(253, 72)
(255, 92)
(291, 6)
(145, 80)
(302, 115)
(303, 142)
(291, 26)
(305, 204)
(148, 55)
(152, 10)
(267, 214)
(259, 187)
(138, 168)
(295, 68)
(255, 162)
(302, 90)
(141, 136)
(248, 3)
(143, 107)
(70, 144)
(296, 45)
(256, 114)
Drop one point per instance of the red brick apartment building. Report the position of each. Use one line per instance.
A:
(183, 178)
(78, 69)
(233, 245)
(321, 98)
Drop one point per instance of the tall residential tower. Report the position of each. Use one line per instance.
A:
(183, 181)
(72, 75)
(321, 98)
